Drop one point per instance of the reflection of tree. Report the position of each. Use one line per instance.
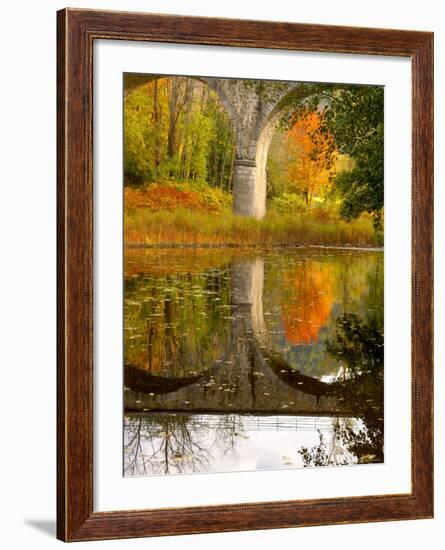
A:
(359, 347)
(178, 443)
(308, 301)
(228, 432)
(374, 296)
(334, 452)
(164, 444)
(175, 325)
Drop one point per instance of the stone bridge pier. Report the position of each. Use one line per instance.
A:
(254, 107)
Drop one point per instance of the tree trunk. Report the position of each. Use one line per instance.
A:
(230, 182)
(188, 103)
(171, 144)
(157, 124)
(223, 167)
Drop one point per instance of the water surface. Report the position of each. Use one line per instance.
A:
(244, 360)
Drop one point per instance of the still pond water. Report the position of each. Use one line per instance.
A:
(252, 360)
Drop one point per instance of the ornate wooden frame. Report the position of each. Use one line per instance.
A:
(77, 30)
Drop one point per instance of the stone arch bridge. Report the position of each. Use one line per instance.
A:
(254, 108)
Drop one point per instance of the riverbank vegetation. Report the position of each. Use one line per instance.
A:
(176, 224)
(324, 170)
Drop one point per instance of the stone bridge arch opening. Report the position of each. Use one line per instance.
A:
(250, 181)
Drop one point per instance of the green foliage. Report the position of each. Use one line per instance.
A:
(356, 120)
(197, 139)
(278, 180)
(216, 199)
(139, 136)
(289, 202)
(176, 129)
(220, 146)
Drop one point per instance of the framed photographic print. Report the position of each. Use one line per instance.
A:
(245, 226)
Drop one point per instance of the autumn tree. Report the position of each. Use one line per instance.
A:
(311, 154)
(354, 116)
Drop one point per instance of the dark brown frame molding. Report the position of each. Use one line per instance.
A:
(76, 32)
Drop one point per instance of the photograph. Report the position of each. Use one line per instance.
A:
(253, 274)
(222, 230)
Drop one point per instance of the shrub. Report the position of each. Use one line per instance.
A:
(289, 202)
(173, 196)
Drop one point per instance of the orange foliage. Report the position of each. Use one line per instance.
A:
(167, 197)
(311, 303)
(308, 155)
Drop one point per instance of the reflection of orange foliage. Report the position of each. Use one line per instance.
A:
(310, 303)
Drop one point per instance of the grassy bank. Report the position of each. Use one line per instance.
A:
(196, 214)
(182, 226)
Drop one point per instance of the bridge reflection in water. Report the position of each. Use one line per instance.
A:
(200, 395)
